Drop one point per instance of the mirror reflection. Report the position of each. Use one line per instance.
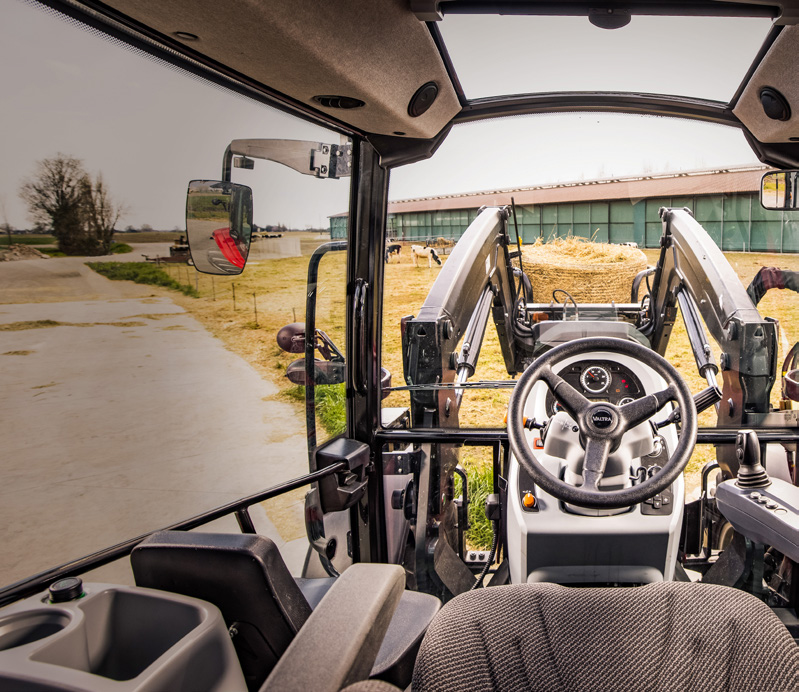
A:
(780, 190)
(219, 225)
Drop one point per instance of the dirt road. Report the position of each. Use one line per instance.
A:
(119, 414)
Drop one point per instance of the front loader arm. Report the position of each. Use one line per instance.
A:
(691, 262)
(457, 307)
(475, 282)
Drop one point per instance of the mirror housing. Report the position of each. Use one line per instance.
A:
(291, 338)
(779, 190)
(219, 226)
(325, 372)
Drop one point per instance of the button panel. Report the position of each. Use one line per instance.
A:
(661, 504)
(768, 502)
(527, 497)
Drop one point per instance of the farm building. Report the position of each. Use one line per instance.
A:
(726, 202)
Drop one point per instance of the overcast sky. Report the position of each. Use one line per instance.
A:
(150, 129)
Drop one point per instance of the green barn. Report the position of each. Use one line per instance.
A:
(617, 210)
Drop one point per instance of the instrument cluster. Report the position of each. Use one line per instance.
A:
(599, 380)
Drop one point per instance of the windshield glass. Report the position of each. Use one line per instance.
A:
(702, 57)
(588, 189)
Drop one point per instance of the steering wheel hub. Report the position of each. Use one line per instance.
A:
(602, 419)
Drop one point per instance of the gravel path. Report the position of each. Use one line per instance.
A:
(125, 417)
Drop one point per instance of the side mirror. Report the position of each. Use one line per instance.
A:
(779, 190)
(219, 225)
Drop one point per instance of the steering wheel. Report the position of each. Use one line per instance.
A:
(602, 425)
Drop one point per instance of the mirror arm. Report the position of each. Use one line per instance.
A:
(227, 161)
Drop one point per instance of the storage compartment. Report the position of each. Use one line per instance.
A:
(24, 628)
(116, 637)
(123, 633)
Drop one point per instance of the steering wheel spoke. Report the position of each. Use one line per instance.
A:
(594, 463)
(638, 411)
(566, 395)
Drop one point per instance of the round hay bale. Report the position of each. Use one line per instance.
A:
(590, 272)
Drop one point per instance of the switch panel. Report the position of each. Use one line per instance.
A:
(767, 515)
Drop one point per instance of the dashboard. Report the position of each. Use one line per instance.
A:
(599, 380)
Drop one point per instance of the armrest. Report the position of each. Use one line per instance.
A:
(338, 644)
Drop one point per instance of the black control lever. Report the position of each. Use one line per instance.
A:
(704, 400)
(751, 473)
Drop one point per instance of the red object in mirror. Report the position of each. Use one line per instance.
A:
(229, 247)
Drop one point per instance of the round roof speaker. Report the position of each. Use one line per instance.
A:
(774, 104)
(422, 100)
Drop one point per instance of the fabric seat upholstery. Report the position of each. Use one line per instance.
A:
(663, 636)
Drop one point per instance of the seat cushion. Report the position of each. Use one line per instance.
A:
(663, 636)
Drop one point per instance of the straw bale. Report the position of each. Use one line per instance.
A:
(591, 272)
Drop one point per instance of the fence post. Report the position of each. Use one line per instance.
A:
(233, 287)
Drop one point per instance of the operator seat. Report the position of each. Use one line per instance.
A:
(663, 636)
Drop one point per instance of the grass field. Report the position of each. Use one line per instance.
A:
(272, 293)
(148, 237)
(141, 273)
(27, 240)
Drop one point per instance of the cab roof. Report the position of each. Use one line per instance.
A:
(367, 67)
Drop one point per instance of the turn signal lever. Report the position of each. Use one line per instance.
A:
(704, 400)
(528, 423)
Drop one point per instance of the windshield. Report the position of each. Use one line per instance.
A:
(702, 57)
(579, 182)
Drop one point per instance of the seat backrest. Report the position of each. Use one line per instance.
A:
(241, 574)
(663, 636)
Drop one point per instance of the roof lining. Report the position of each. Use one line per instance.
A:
(398, 151)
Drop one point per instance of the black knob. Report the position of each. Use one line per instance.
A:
(66, 590)
(751, 473)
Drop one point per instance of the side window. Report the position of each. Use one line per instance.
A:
(136, 391)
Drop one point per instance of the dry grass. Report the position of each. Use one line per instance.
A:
(279, 286)
(589, 272)
(45, 324)
(268, 295)
(579, 252)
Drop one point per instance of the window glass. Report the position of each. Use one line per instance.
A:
(704, 57)
(127, 407)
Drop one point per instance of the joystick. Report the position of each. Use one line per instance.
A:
(751, 473)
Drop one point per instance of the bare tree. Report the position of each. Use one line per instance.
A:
(79, 211)
(54, 196)
(100, 212)
(5, 226)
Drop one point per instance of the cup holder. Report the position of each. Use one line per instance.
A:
(23, 628)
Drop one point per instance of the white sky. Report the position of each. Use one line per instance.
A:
(150, 129)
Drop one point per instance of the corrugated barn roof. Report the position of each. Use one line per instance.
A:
(691, 183)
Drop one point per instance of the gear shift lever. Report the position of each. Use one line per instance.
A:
(751, 473)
